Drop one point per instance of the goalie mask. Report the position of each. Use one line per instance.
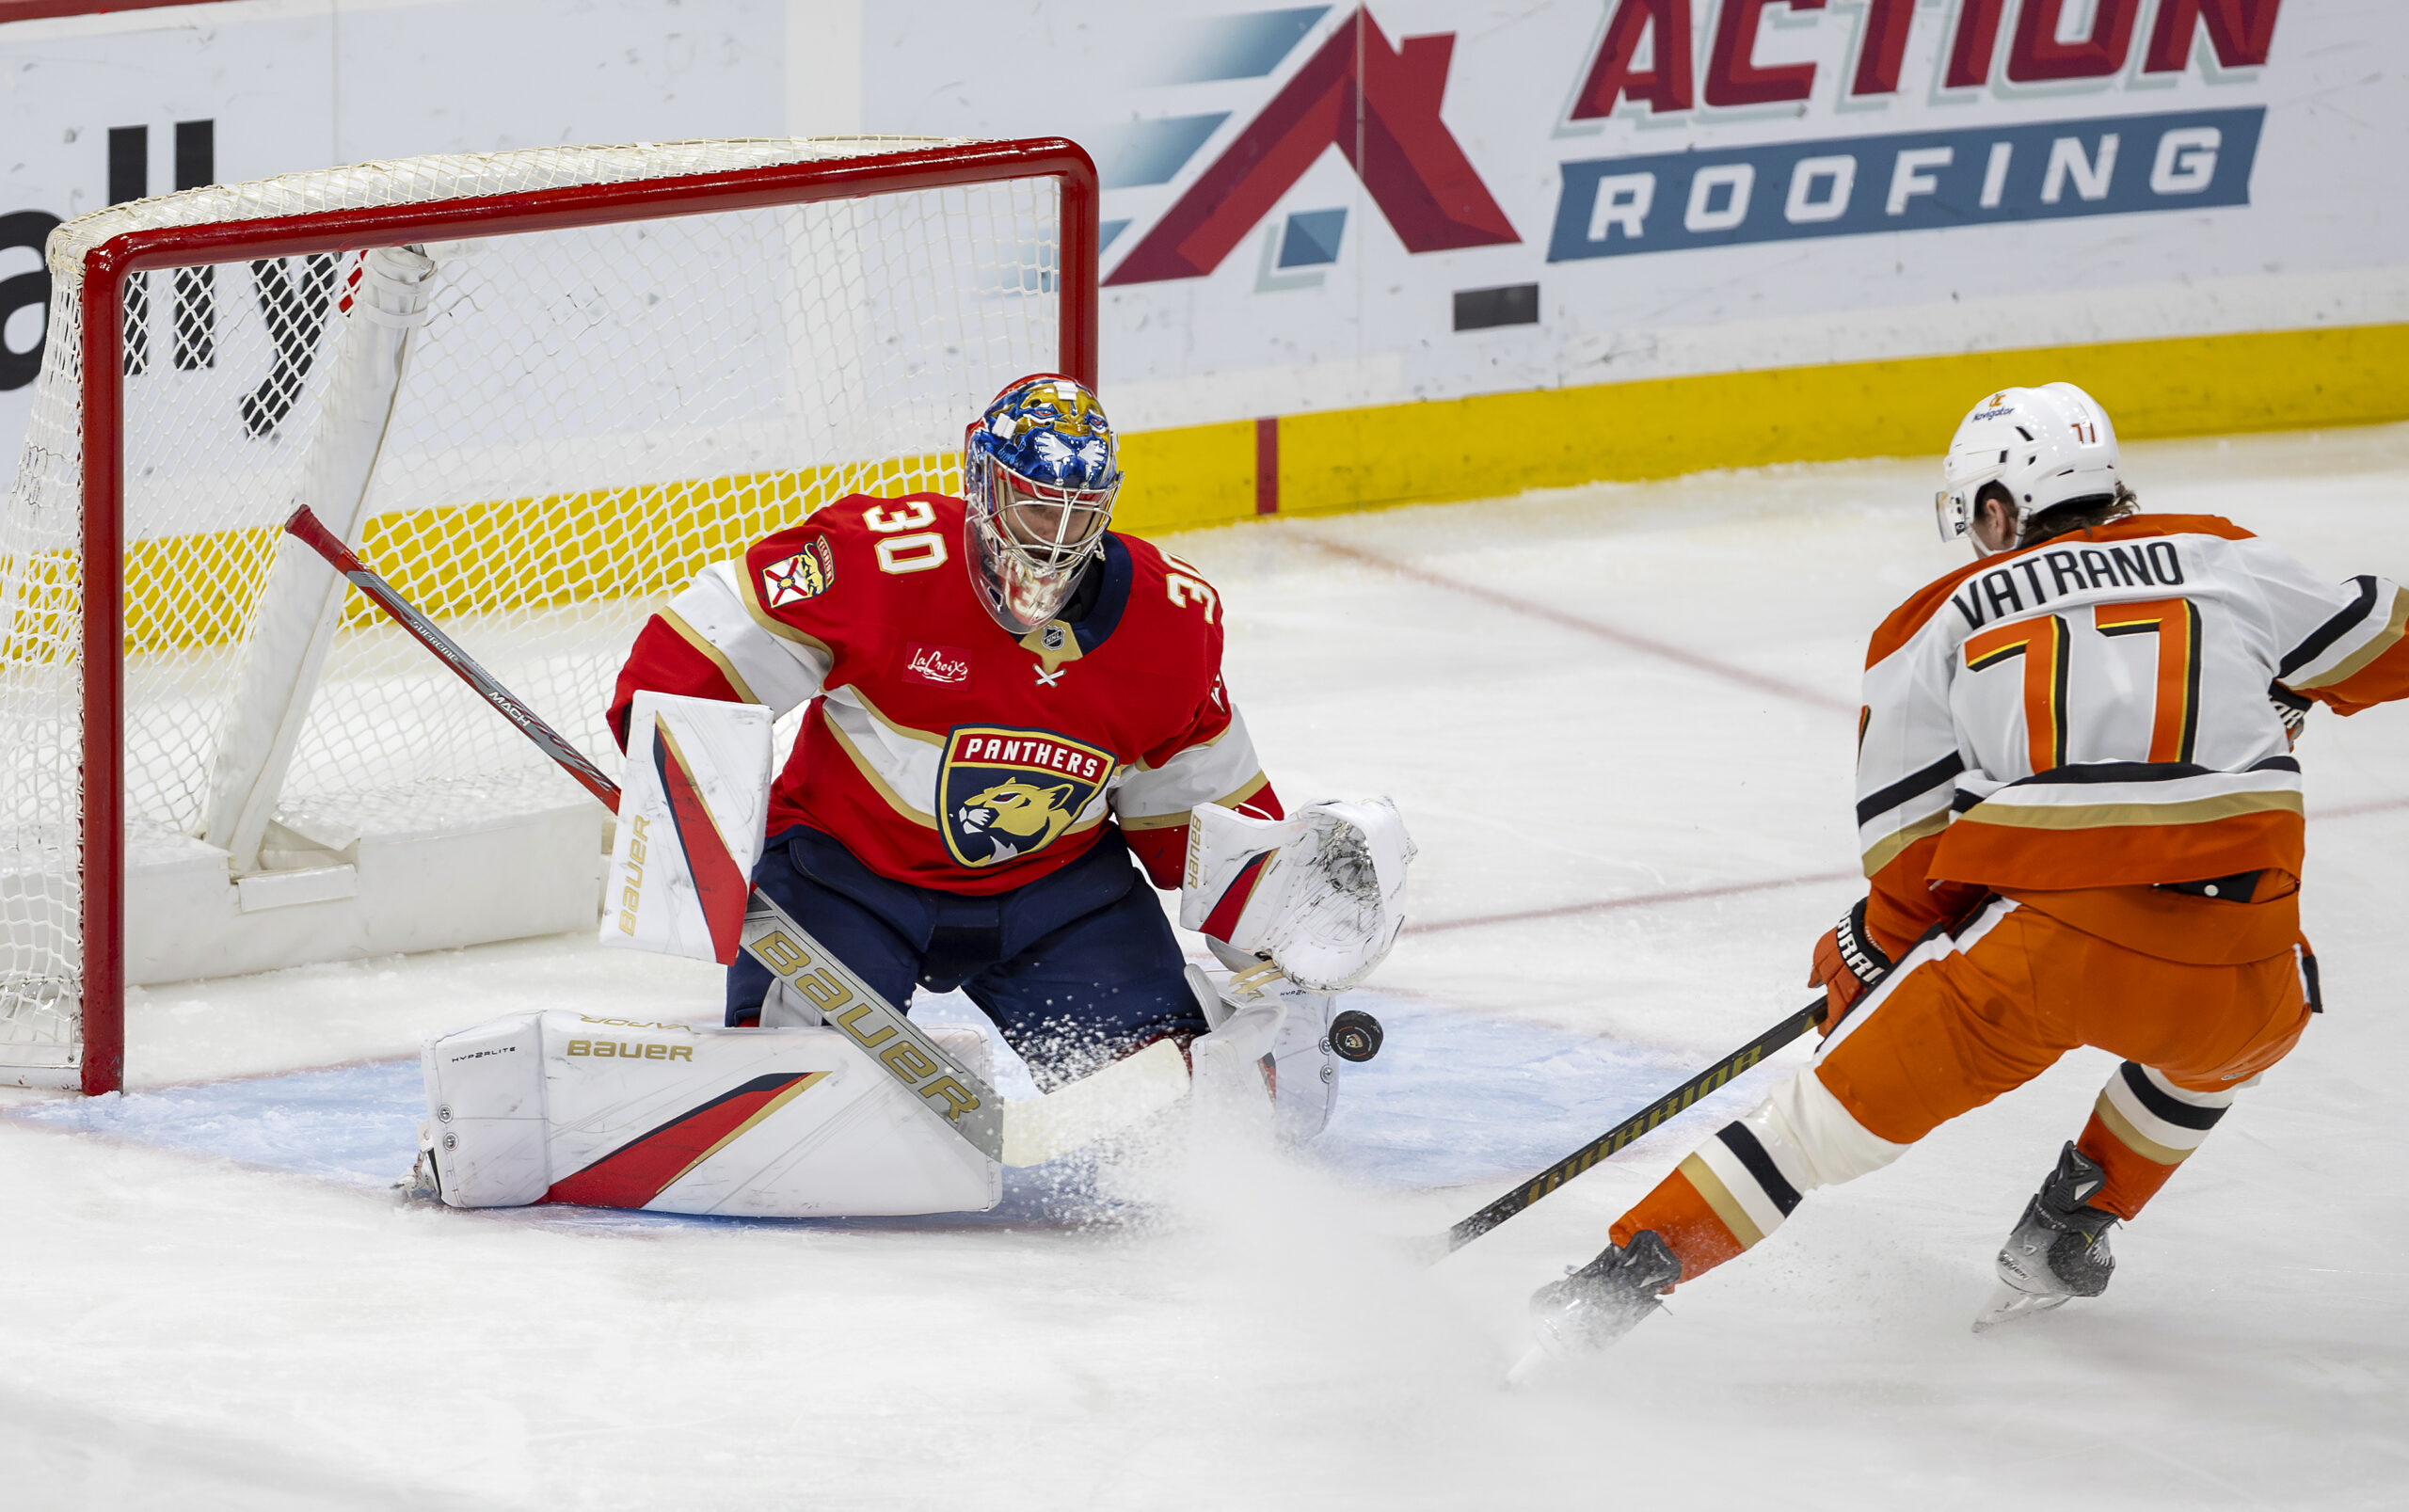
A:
(1039, 474)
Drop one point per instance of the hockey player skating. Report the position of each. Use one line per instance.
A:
(1008, 702)
(2082, 823)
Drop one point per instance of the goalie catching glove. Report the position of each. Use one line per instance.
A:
(1848, 964)
(1318, 893)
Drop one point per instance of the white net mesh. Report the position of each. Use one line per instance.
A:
(586, 419)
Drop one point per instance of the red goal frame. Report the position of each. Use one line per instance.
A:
(101, 838)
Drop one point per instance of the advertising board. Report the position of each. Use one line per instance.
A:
(1606, 238)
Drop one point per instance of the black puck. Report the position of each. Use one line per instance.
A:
(1354, 1035)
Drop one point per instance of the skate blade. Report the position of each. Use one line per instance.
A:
(1538, 1362)
(2007, 1304)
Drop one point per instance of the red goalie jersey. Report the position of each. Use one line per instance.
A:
(937, 748)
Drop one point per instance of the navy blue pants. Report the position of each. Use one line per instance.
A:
(1075, 968)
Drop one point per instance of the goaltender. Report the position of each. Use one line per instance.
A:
(1007, 702)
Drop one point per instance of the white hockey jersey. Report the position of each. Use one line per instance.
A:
(2104, 708)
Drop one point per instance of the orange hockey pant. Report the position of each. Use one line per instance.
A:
(1963, 1019)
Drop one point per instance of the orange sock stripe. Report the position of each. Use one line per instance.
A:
(1685, 1222)
(2133, 1178)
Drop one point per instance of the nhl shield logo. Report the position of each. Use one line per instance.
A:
(1007, 793)
(807, 574)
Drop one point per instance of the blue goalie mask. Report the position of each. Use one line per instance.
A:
(1038, 472)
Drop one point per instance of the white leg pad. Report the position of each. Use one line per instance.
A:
(559, 1107)
(1231, 1068)
(1308, 1082)
(1304, 1074)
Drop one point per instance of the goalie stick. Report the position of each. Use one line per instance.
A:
(1014, 1134)
(1631, 1128)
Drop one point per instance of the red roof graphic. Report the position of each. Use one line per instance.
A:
(1376, 103)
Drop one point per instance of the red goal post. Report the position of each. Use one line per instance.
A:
(830, 273)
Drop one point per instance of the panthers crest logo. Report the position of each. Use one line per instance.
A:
(1008, 793)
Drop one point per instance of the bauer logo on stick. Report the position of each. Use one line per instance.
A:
(807, 574)
(1008, 794)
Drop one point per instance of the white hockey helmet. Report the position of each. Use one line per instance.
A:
(2045, 446)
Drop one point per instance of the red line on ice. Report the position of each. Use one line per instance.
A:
(1734, 889)
(1609, 905)
(1625, 639)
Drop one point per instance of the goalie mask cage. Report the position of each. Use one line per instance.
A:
(539, 391)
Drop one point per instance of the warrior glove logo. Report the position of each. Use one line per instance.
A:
(1009, 793)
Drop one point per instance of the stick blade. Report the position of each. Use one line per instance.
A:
(1125, 1092)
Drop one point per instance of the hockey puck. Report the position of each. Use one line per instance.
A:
(1354, 1035)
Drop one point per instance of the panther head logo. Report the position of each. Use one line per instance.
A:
(1007, 793)
(1019, 808)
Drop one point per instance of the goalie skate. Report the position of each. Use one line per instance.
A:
(424, 1183)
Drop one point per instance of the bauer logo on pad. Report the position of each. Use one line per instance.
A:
(807, 574)
(1008, 794)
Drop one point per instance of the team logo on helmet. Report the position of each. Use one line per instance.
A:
(1052, 431)
(807, 574)
(1007, 793)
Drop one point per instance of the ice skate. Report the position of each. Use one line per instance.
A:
(424, 1183)
(2059, 1249)
(1599, 1303)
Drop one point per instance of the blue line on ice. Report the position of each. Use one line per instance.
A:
(1455, 1098)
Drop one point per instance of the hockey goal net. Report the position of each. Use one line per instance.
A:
(539, 391)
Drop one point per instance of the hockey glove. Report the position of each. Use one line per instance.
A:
(1848, 964)
(2291, 709)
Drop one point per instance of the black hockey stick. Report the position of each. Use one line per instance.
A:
(1026, 1133)
(1633, 1128)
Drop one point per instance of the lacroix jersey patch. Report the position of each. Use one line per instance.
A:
(1007, 793)
(807, 574)
(938, 664)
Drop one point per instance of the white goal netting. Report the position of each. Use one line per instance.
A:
(583, 419)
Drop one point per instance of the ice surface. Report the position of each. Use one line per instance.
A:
(1619, 722)
(1423, 1115)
